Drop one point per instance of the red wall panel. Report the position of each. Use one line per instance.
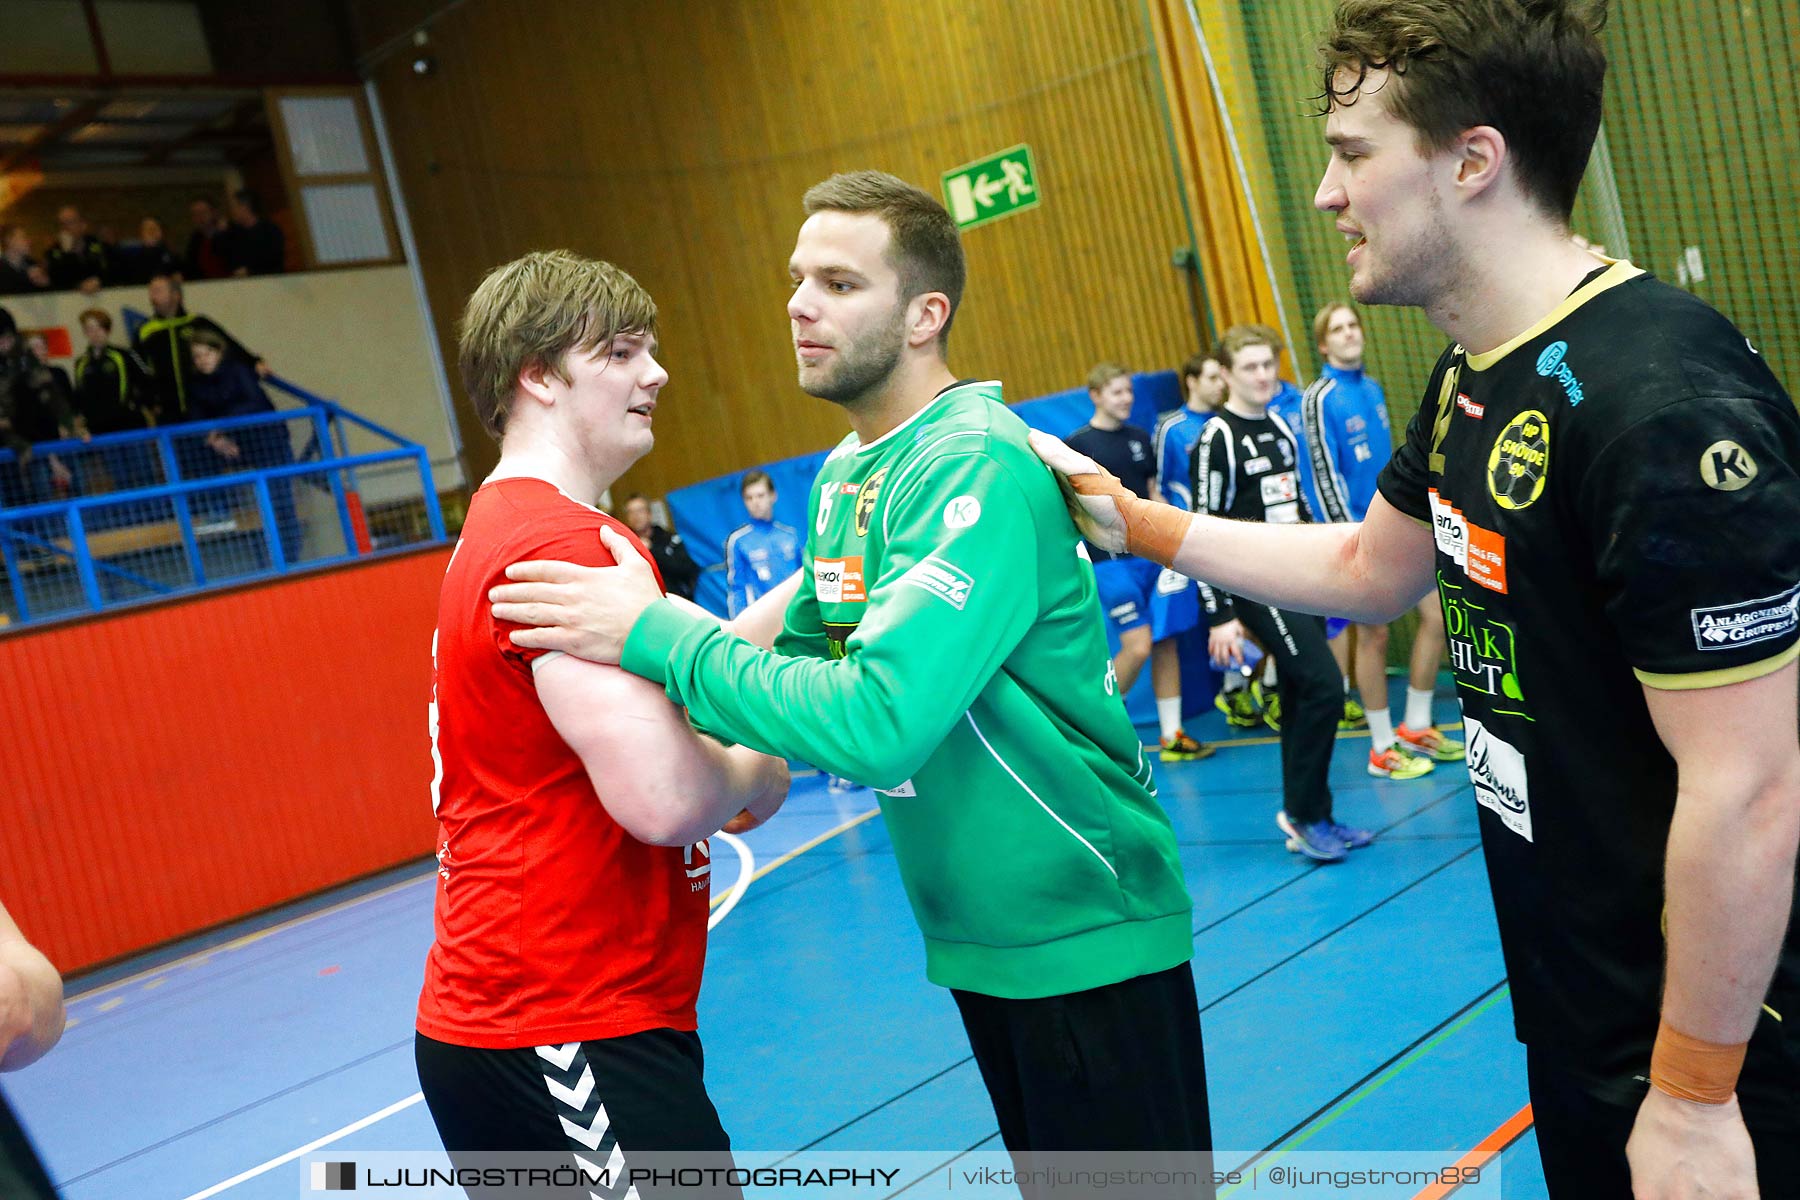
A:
(170, 768)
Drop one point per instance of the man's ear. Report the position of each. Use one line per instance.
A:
(1481, 155)
(536, 380)
(926, 316)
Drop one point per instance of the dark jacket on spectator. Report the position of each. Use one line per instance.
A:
(262, 247)
(43, 402)
(139, 263)
(230, 391)
(207, 255)
(89, 259)
(16, 280)
(162, 342)
(112, 390)
(673, 560)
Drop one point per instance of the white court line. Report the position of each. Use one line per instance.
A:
(746, 868)
(291, 1155)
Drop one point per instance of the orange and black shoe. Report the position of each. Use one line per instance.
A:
(1179, 747)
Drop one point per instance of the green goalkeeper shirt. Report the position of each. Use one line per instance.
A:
(947, 648)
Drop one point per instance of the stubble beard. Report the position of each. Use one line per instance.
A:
(864, 366)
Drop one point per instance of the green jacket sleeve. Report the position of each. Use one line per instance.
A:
(956, 591)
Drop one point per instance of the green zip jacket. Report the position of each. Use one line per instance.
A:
(946, 648)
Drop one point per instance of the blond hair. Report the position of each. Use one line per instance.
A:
(1104, 374)
(536, 311)
(1322, 319)
(1241, 337)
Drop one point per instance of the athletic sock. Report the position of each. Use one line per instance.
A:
(1418, 707)
(1381, 728)
(1168, 713)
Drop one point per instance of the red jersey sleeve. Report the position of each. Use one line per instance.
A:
(568, 532)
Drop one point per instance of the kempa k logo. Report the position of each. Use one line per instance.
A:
(1727, 466)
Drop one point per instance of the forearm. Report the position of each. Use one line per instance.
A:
(31, 1004)
(1309, 568)
(1729, 887)
(761, 620)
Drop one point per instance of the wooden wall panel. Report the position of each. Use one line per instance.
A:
(676, 139)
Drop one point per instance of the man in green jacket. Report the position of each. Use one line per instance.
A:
(944, 646)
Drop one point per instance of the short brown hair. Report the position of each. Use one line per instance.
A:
(1533, 69)
(208, 338)
(752, 478)
(1195, 367)
(1104, 374)
(1242, 337)
(99, 315)
(1322, 319)
(537, 310)
(924, 245)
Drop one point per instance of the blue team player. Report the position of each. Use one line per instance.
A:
(1346, 434)
(1148, 605)
(762, 553)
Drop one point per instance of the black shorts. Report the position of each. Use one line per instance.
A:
(22, 1176)
(1117, 1068)
(604, 1100)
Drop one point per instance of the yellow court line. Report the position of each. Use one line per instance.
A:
(797, 851)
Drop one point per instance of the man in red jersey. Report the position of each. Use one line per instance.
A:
(574, 801)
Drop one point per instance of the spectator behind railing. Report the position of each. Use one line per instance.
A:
(38, 408)
(77, 260)
(206, 256)
(113, 391)
(224, 386)
(143, 260)
(256, 245)
(20, 273)
(162, 342)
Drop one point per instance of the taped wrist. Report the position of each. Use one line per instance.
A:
(1154, 531)
(1690, 1069)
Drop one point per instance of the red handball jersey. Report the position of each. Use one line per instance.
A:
(552, 923)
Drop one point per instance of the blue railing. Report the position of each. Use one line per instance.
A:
(89, 526)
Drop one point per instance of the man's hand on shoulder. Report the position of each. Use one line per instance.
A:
(584, 611)
(1089, 490)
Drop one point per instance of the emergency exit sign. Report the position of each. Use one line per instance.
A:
(993, 187)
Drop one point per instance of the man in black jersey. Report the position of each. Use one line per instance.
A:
(31, 1021)
(1132, 591)
(1246, 466)
(1602, 485)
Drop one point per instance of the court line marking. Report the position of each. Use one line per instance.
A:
(198, 957)
(1275, 739)
(291, 1155)
(1485, 1151)
(416, 1097)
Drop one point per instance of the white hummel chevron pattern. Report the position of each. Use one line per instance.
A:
(590, 1129)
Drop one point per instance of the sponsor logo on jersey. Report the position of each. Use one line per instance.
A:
(1171, 583)
(1479, 553)
(1726, 467)
(1520, 461)
(1729, 626)
(946, 582)
(1355, 425)
(962, 512)
(1483, 651)
(866, 496)
(1279, 489)
(1497, 770)
(1363, 452)
(848, 489)
(904, 791)
(1552, 365)
(1258, 466)
(840, 580)
(696, 862)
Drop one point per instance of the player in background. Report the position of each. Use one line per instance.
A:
(1247, 467)
(1147, 604)
(574, 801)
(762, 552)
(1345, 421)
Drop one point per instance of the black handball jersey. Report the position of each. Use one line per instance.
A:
(1614, 500)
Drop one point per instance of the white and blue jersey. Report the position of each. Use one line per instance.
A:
(758, 555)
(1176, 434)
(1286, 406)
(1345, 436)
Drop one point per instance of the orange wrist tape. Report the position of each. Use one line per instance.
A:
(1690, 1069)
(1152, 530)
